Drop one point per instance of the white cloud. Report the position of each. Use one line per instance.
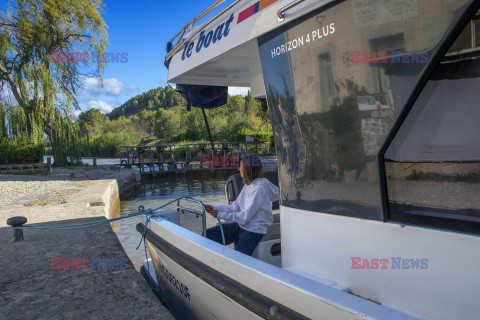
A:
(101, 105)
(92, 89)
(91, 95)
(113, 86)
(233, 91)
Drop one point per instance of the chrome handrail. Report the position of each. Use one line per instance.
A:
(182, 31)
(226, 191)
(281, 12)
(192, 22)
(182, 209)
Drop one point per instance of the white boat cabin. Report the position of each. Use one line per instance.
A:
(375, 107)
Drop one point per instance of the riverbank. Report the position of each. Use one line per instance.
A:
(68, 274)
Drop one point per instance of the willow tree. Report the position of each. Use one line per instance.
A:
(44, 47)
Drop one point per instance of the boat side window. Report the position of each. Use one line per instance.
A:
(433, 163)
(336, 80)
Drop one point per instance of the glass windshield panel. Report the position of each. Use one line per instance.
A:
(433, 164)
(336, 80)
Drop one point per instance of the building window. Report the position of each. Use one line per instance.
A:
(327, 86)
(391, 44)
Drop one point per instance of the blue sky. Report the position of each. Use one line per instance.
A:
(139, 30)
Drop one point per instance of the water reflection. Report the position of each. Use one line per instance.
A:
(155, 193)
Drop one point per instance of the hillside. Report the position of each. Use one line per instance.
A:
(151, 100)
(160, 116)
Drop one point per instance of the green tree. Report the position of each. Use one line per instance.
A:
(154, 99)
(232, 122)
(38, 40)
(92, 118)
(3, 123)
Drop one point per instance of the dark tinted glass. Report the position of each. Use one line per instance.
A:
(433, 164)
(336, 80)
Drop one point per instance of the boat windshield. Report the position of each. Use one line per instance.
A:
(337, 80)
(433, 163)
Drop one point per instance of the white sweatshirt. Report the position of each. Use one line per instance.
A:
(252, 209)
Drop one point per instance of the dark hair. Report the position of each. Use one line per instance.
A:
(253, 168)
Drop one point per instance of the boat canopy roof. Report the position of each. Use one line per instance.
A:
(223, 51)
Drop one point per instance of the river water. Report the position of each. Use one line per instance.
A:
(153, 194)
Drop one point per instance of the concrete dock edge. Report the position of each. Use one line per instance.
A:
(69, 274)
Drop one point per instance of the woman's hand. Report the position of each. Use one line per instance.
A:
(214, 213)
(210, 210)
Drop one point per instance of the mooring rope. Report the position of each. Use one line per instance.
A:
(149, 214)
(141, 210)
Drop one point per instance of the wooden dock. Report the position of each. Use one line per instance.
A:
(29, 168)
(190, 159)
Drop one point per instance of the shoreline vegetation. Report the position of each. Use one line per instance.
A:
(158, 116)
(45, 94)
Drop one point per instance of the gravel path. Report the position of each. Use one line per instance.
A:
(65, 194)
(29, 190)
(30, 193)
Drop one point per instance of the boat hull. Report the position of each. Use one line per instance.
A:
(200, 279)
(188, 297)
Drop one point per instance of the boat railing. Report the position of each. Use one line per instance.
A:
(172, 48)
(197, 213)
(281, 12)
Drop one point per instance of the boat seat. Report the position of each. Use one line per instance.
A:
(234, 186)
(269, 249)
(273, 233)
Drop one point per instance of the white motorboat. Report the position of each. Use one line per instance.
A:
(375, 107)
